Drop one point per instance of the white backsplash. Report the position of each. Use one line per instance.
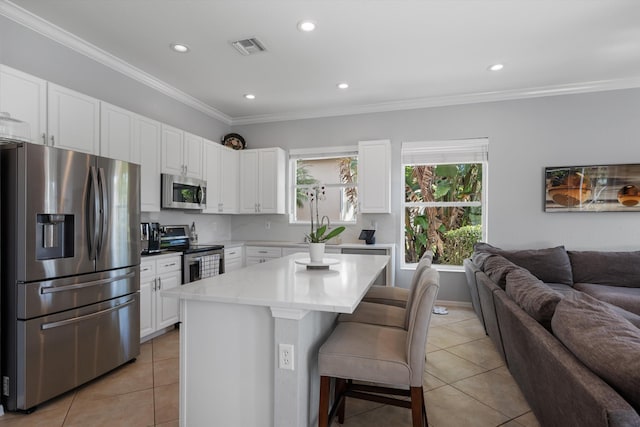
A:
(210, 228)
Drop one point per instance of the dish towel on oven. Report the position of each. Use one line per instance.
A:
(209, 266)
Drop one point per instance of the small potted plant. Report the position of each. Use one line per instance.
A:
(317, 236)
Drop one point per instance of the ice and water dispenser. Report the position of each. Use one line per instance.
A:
(54, 236)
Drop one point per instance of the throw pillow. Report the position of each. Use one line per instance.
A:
(551, 265)
(533, 296)
(605, 342)
(496, 268)
(606, 268)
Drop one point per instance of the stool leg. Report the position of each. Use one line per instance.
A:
(323, 411)
(418, 413)
(341, 385)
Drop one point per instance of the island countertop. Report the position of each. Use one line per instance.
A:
(283, 283)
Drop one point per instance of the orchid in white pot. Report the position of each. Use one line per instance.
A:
(317, 235)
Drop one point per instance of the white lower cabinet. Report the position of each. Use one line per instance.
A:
(259, 254)
(233, 259)
(157, 273)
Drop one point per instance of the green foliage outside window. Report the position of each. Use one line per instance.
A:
(443, 211)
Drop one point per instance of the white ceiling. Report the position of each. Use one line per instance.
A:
(394, 54)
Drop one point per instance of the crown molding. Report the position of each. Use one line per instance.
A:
(443, 101)
(71, 41)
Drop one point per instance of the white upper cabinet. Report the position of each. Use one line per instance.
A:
(374, 176)
(220, 168)
(148, 134)
(229, 179)
(262, 181)
(181, 152)
(73, 120)
(117, 134)
(193, 155)
(172, 150)
(24, 97)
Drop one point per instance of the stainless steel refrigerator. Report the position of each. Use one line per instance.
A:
(70, 255)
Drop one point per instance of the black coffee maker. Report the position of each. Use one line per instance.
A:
(150, 237)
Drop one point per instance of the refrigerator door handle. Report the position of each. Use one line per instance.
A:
(52, 325)
(104, 210)
(93, 215)
(53, 289)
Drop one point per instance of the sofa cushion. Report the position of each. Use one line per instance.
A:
(548, 265)
(606, 268)
(496, 268)
(605, 342)
(626, 298)
(533, 296)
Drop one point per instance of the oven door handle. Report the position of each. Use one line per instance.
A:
(53, 289)
(52, 325)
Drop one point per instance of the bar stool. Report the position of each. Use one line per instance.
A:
(391, 295)
(385, 314)
(386, 356)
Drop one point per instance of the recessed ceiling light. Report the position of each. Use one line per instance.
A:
(250, 96)
(180, 48)
(496, 67)
(306, 26)
(343, 85)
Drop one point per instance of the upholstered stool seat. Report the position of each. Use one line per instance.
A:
(384, 357)
(391, 295)
(389, 314)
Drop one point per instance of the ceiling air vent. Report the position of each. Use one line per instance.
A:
(249, 46)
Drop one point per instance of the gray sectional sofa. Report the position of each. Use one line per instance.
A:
(567, 324)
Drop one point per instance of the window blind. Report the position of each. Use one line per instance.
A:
(441, 152)
(324, 153)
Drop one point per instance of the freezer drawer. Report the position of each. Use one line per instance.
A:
(53, 296)
(59, 352)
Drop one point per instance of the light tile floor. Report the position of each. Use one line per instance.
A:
(465, 382)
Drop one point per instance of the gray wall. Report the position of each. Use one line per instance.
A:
(524, 137)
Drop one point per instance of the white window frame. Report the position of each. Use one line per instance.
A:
(475, 150)
(315, 154)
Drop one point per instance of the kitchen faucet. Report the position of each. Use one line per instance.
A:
(328, 222)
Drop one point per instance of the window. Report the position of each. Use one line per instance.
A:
(337, 172)
(444, 199)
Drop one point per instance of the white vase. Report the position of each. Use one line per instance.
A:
(316, 252)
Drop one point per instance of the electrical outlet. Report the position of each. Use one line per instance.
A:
(285, 356)
(267, 225)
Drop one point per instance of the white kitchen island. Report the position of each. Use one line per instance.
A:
(232, 328)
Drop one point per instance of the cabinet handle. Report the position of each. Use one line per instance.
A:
(258, 207)
(169, 265)
(155, 284)
(145, 269)
(53, 142)
(44, 138)
(159, 283)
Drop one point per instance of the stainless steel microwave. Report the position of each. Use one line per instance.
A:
(179, 192)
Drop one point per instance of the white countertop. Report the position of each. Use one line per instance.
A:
(282, 283)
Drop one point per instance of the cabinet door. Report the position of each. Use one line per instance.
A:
(25, 98)
(374, 176)
(172, 150)
(248, 181)
(211, 173)
(193, 155)
(117, 139)
(229, 179)
(73, 120)
(167, 309)
(271, 181)
(148, 134)
(147, 305)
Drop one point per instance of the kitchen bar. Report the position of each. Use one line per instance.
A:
(233, 326)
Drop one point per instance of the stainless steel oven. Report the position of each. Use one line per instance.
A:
(179, 192)
(198, 261)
